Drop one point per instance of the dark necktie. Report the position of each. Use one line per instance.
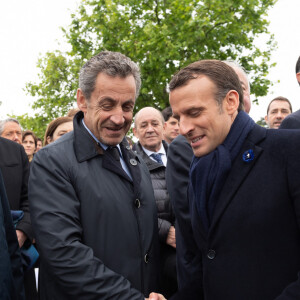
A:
(114, 151)
(157, 157)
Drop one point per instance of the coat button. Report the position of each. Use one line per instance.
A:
(146, 258)
(133, 162)
(211, 254)
(137, 203)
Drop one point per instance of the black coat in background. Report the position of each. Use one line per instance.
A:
(292, 121)
(14, 166)
(165, 214)
(252, 248)
(11, 270)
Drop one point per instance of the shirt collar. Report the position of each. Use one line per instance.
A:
(161, 150)
(104, 146)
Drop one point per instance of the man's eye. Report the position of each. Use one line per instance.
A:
(194, 113)
(128, 108)
(106, 107)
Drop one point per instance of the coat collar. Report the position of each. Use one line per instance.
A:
(86, 148)
(238, 173)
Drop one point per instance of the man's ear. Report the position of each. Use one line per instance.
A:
(81, 101)
(266, 119)
(135, 132)
(298, 77)
(232, 102)
(164, 125)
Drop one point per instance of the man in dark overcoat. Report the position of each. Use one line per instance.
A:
(14, 166)
(244, 193)
(92, 201)
(11, 270)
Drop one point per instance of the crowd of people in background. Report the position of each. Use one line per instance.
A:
(114, 219)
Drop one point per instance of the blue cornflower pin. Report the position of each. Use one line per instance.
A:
(248, 156)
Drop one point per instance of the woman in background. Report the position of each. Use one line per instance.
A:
(57, 128)
(29, 142)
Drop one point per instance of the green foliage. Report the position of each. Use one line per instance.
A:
(261, 122)
(162, 36)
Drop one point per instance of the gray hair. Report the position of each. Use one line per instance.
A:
(3, 122)
(112, 64)
(233, 64)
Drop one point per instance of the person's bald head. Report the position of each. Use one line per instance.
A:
(241, 73)
(148, 128)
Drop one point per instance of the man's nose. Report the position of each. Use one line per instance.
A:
(184, 127)
(149, 128)
(17, 137)
(118, 117)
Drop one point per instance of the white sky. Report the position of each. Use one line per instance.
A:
(30, 28)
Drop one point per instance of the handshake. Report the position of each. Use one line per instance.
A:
(156, 296)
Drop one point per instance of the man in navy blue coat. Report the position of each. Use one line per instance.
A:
(244, 194)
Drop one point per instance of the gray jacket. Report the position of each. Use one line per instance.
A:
(158, 177)
(96, 229)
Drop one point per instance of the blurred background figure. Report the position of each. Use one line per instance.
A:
(39, 144)
(242, 75)
(130, 141)
(171, 125)
(29, 142)
(278, 109)
(11, 129)
(57, 128)
(293, 120)
(72, 112)
(148, 128)
(11, 270)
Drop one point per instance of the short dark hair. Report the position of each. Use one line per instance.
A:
(298, 65)
(167, 113)
(110, 63)
(27, 133)
(280, 98)
(222, 75)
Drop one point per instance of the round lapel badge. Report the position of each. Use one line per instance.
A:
(133, 162)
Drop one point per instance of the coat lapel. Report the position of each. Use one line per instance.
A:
(238, 173)
(132, 162)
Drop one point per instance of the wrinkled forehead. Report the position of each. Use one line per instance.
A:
(148, 115)
(12, 126)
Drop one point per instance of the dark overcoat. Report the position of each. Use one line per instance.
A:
(252, 248)
(14, 166)
(11, 270)
(291, 121)
(96, 229)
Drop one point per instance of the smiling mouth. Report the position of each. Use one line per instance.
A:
(114, 128)
(197, 139)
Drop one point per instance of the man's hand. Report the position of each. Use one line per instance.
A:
(171, 239)
(21, 237)
(156, 296)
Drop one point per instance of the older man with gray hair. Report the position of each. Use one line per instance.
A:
(11, 129)
(93, 207)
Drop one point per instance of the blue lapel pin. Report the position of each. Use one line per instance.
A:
(248, 156)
